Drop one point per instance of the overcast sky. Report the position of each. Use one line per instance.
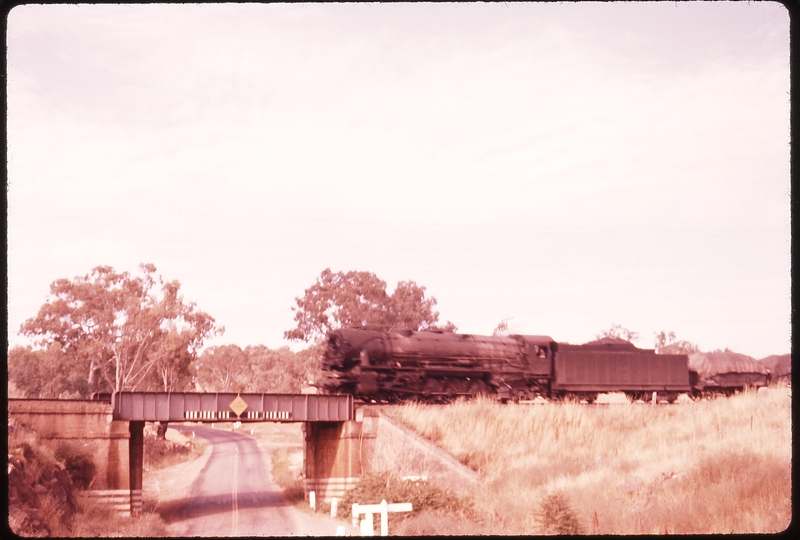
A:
(562, 166)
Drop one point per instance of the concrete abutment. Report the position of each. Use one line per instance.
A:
(90, 426)
(336, 454)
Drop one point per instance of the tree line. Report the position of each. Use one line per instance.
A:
(108, 331)
(665, 342)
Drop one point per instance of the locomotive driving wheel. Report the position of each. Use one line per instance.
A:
(478, 388)
(431, 387)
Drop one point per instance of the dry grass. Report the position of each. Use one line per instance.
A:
(20, 436)
(699, 467)
(98, 520)
(285, 441)
(176, 448)
(275, 433)
(286, 476)
(26, 448)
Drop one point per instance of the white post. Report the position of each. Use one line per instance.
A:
(334, 506)
(312, 500)
(367, 527)
(654, 399)
(384, 518)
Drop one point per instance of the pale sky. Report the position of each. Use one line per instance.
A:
(562, 166)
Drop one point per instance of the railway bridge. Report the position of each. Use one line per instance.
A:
(338, 440)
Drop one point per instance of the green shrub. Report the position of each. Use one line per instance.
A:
(372, 488)
(78, 462)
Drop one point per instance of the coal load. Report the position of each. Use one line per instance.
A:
(727, 371)
(779, 366)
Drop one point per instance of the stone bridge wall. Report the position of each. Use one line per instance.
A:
(88, 425)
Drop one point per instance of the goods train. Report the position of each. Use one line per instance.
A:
(395, 366)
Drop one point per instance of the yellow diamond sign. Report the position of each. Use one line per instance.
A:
(238, 405)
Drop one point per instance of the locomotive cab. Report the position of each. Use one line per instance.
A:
(539, 355)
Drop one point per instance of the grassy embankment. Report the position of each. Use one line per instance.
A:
(29, 460)
(716, 466)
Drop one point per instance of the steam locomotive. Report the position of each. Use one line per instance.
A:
(397, 366)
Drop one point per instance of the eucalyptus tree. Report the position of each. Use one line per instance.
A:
(359, 299)
(122, 332)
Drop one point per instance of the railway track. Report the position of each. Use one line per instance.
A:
(538, 403)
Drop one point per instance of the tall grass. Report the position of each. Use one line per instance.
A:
(711, 466)
(96, 519)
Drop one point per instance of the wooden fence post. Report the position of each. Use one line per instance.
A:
(367, 526)
(384, 518)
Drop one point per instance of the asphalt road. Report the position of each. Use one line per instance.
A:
(234, 495)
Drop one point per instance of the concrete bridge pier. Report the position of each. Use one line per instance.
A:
(136, 458)
(336, 454)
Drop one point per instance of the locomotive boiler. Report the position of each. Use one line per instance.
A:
(435, 366)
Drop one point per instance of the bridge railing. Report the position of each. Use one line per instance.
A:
(231, 407)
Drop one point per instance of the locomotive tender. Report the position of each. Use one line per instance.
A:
(436, 366)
